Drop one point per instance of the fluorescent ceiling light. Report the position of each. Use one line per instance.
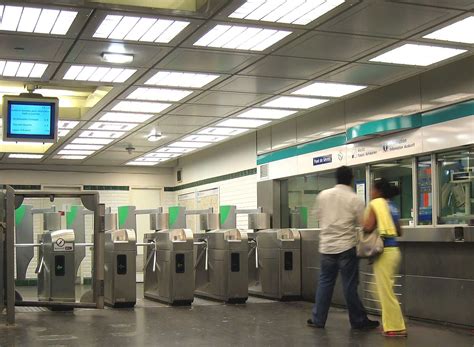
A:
(98, 74)
(181, 79)
(162, 155)
(25, 156)
(174, 150)
(102, 134)
(328, 89)
(126, 117)
(142, 106)
(92, 141)
(299, 12)
(242, 123)
(71, 157)
(139, 29)
(36, 20)
(141, 163)
(112, 126)
(117, 58)
(223, 131)
(150, 160)
(9, 68)
(266, 113)
(183, 144)
(84, 147)
(294, 102)
(419, 55)
(67, 124)
(241, 37)
(63, 132)
(205, 138)
(75, 152)
(461, 31)
(159, 94)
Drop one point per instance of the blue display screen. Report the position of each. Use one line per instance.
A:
(34, 120)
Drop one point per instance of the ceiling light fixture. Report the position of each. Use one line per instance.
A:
(419, 55)
(159, 94)
(9, 68)
(266, 113)
(299, 12)
(25, 156)
(205, 138)
(242, 123)
(67, 124)
(117, 58)
(36, 20)
(294, 102)
(139, 29)
(98, 74)
(181, 79)
(143, 106)
(223, 131)
(174, 150)
(154, 136)
(71, 157)
(141, 163)
(74, 152)
(101, 134)
(241, 37)
(126, 117)
(63, 132)
(461, 31)
(194, 145)
(328, 89)
(162, 155)
(84, 147)
(112, 126)
(92, 141)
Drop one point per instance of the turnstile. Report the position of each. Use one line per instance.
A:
(120, 268)
(168, 272)
(275, 264)
(221, 265)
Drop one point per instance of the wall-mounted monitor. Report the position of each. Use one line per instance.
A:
(30, 118)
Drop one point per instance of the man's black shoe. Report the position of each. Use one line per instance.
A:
(314, 325)
(370, 324)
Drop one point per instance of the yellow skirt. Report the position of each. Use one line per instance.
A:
(385, 267)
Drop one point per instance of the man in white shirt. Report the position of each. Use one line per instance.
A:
(339, 212)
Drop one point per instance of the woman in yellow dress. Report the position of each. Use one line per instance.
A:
(383, 216)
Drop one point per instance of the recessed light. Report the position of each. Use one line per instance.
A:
(183, 144)
(67, 124)
(266, 113)
(223, 131)
(159, 94)
(112, 126)
(461, 31)
(141, 163)
(242, 123)
(174, 150)
(162, 155)
(117, 58)
(126, 117)
(74, 152)
(205, 138)
(92, 141)
(139, 29)
(84, 147)
(71, 157)
(25, 156)
(63, 132)
(181, 79)
(26, 69)
(328, 89)
(241, 37)
(150, 159)
(102, 134)
(143, 106)
(98, 74)
(294, 102)
(290, 11)
(419, 55)
(36, 20)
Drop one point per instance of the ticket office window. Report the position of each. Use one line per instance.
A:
(456, 186)
(398, 172)
(424, 190)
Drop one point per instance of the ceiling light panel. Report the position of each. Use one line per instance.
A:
(36, 20)
(92, 141)
(187, 144)
(142, 29)
(147, 107)
(159, 94)
(71, 157)
(112, 126)
(63, 132)
(242, 123)
(419, 55)
(67, 124)
(174, 150)
(117, 58)
(328, 89)
(181, 79)
(266, 113)
(126, 117)
(74, 152)
(141, 163)
(150, 160)
(299, 12)
(241, 37)
(102, 134)
(223, 131)
(204, 138)
(294, 102)
(25, 156)
(98, 74)
(9, 68)
(461, 31)
(162, 155)
(84, 147)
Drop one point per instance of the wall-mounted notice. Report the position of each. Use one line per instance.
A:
(360, 190)
(325, 159)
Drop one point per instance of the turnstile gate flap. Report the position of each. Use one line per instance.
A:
(159, 221)
(59, 236)
(279, 238)
(227, 239)
(122, 235)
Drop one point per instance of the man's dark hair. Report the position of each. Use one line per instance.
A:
(344, 175)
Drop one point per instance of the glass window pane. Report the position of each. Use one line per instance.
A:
(456, 186)
(425, 196)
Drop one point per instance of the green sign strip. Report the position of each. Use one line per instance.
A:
(122, 215)
(71, 216)
(224, 212)
(173, 212)
(20, 214)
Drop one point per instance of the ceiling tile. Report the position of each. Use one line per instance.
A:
(384, 18)
(205, 110)
(183, 59)
(178, 129)
(257, 85)
(228, 98)
(187, 120)
(277, 66)
(332, 46)
(30, 48)
(459, 4)
(370, 74)
(139, 139)
(109, 155)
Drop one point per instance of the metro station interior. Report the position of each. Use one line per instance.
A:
(161, 161)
